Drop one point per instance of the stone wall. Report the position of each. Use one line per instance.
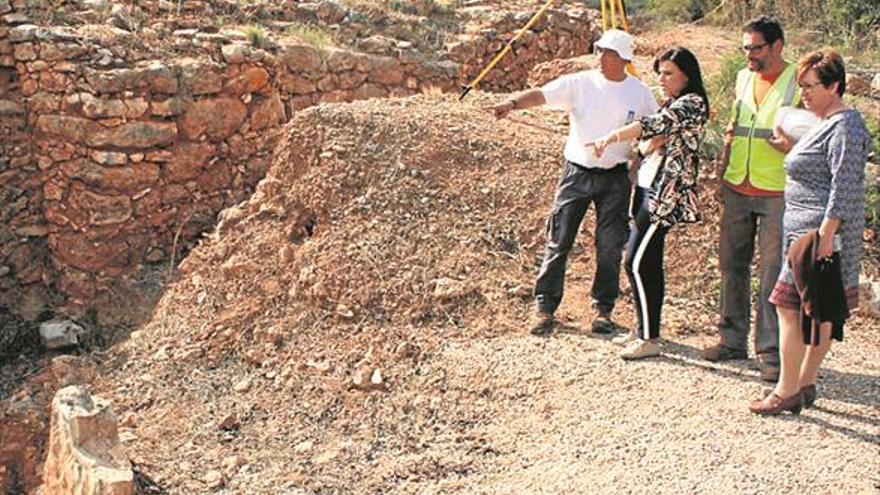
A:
(560, 34)
(112, 158)
(107, 165)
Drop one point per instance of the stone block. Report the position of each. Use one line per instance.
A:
(84, 454)
(217, 118)
(60, 334)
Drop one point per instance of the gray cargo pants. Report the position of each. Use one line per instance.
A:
(609, 190)
(745, 217)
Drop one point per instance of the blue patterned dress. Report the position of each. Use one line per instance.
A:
(825, 177)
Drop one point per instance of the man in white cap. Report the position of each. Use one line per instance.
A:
(598, 101)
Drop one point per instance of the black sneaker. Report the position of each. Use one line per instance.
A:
(542, 323)
(603, 324)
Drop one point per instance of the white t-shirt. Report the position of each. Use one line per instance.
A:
(596, 107)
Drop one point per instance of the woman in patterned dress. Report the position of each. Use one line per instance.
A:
(824, 190)
(666, 191)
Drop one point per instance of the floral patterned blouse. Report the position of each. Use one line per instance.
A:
(673, 194)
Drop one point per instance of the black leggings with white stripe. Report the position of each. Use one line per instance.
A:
(644, 266)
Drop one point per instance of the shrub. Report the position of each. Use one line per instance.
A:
(313, 35)
(720, 88)
(255, 34)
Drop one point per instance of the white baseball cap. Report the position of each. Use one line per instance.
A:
(617, 40)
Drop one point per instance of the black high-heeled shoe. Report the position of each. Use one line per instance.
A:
(774, 404)
(810, 394)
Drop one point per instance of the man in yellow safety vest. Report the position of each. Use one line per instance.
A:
(753, 179)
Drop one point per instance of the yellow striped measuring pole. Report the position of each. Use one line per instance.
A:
(507, 48)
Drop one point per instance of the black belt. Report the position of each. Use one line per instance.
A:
(619, 168)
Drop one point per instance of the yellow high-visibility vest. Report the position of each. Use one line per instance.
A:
(751, 154)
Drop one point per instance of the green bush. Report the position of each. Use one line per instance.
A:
(720, 88)
(255, 34)
(842, 22)
(313, 35)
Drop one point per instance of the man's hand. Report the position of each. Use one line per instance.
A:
(781, 141)
(502, 109)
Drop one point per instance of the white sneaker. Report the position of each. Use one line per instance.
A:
(640, 349)
(624, 338)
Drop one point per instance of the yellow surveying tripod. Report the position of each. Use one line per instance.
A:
(614, 6)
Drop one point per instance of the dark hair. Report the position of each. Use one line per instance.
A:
(829, 68)
(687, 63)
(769, 28)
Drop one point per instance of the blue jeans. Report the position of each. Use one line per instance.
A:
(579, 187)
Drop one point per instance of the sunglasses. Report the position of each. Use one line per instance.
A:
(753, 48)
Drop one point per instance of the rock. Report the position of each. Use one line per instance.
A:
(872, 175)
(267, 112)
(368, 379)
(250, 80)
(236, 53)
(125, 180)
(23, 32)
(377, 44)
(110, 158)
(521, 291)
(216, 118)
(870, 295)
(76, 250)
(100, 108)
(70, 370)
(9, 107)
(875, 83)
(857, 85)
(386, 70)
(231, 464)
(169, 107)
(300, 58)
(201, 77)
(214, 479)
(343, 312)
(188, 161)
(229, 423)
(296, 84)
(84, 131)
(303, 447)
(242, 386)
(84, 456)
(59, 334)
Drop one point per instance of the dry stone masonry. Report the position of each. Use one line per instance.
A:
(111, 158)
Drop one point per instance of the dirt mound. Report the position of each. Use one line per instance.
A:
(383, 229)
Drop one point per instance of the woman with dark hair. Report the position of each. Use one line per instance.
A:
(824, 211)
(666, 191)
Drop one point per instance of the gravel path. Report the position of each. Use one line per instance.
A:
(584, 421)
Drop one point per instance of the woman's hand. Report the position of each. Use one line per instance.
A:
(647, 146)
(826, 246)
(827, 229)
(603, 142)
